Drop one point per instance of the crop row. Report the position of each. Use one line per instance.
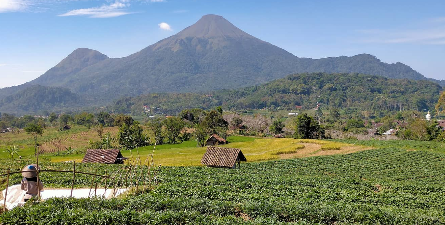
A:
(385, 186)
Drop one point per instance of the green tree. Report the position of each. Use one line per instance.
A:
(215, 121)
(84, 118)
(121, 119)
(105, 119)
(131, 137)
(52, 117)
(64, 119)
(12, 150)
(201, 134)
(440, 106)
(34, 129)
(277, 126)
(173, 127)
(307, 128)
(192, 115)
(156, 128)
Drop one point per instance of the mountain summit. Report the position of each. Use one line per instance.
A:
(211, 26)
(208, 55)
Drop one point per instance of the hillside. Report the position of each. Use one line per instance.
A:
(211, 54)
(36, 99)
(365, 92)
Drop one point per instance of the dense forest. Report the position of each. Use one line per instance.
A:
(39, 98)
(299, 91)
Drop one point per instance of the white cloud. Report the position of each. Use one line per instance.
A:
(157, 0)
(164, 26)
(12, 5)
(3, 64)
(106, 11)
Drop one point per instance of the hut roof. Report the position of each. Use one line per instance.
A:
(218, 138)
(222, 157)
(108, 156)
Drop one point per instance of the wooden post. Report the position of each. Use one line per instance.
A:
(92, 184)
(74, 177)
(6, 192)
(38, 186)
(126, 177)
(106, 179)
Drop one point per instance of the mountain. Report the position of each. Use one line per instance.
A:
(209, 55)
(357, 92)
(36, 99)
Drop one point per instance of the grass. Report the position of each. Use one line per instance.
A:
(77, 138)
(430, 146)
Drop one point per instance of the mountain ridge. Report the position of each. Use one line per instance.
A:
(209, 55)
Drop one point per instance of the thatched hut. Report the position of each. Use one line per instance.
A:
(215, 140)
(223, 157)
(107, 156)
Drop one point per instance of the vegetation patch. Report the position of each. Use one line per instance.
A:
(367, 187)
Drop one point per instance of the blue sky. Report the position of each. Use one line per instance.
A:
(37, 34)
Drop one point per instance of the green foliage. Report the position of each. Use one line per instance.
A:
(13, 150)
(277, 126)
(131, 137)
(52, 117)
(106, 142)
(172, 129)
(37, 98)
(214, 121)
(105, 119)
(377, 95)
(201, 134)
(84, 118)
(156, 128)
(122, 119)
(35, 129)
(192, 115)
(421, 130)
(369, 187)
(440, 106)
(307, 128)
(64, 119)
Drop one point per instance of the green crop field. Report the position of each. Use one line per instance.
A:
(255, 149)
(381, 186)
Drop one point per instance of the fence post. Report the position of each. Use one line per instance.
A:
(6, 192)
(74, 177)
(106, 179)
(38, 178)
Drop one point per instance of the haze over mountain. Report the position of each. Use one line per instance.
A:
(209, 55)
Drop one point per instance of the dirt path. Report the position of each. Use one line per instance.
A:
(15, 194)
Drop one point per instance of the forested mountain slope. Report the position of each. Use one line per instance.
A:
(211, 54)
(363, 92)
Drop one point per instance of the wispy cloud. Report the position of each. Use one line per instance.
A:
(164, 26)
(12, 5)
(105, 11)
(431, 32)
(2, 64)
(157, 0)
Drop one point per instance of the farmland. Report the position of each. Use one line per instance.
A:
(386, 185)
